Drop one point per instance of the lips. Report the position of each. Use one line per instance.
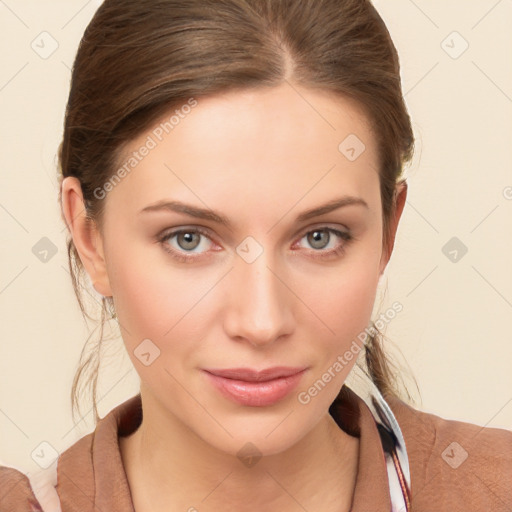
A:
(255, 388)
(251, 375)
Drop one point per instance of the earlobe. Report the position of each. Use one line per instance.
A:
(399, 199)
(86, 237)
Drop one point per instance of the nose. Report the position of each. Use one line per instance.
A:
(259, 310)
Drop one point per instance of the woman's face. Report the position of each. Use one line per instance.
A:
(270, 286)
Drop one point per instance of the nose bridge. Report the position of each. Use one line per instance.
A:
(259, 310)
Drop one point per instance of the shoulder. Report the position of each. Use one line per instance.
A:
(93, 455)
(16, 494)
(458, 465)
(42, 490)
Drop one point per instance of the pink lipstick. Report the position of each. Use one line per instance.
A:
(255, 388)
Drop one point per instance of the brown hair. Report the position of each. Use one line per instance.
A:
(140, 58)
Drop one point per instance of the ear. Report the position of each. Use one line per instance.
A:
(86, 237)
(399, 203)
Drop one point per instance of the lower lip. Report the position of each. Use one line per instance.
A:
(256, 394)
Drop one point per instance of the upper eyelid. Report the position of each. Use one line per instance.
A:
(205, 231)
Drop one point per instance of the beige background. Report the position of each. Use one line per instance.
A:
(454, 330)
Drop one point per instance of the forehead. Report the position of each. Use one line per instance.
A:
(273, 144)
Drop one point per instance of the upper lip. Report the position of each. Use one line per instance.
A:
(251, 375)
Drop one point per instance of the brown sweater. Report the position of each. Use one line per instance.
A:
(454, 466)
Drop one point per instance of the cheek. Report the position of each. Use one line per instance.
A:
(344, 304)
(160, 307)
(344, 298)
(346, 310)
(153, 299)
(354, 295)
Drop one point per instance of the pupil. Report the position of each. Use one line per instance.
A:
(317, 235)
(188, 237)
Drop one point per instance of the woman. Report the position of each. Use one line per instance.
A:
(232, 184)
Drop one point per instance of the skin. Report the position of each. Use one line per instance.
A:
(260, 158)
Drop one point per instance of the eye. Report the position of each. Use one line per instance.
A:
(320, 238)
(187, 240)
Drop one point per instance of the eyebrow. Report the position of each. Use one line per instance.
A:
(206, 214)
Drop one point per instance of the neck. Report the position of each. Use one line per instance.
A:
(169, 467)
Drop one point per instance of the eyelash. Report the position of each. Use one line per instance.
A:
(179, 256)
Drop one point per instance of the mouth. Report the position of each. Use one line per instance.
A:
(252, 375)
(255, 388)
